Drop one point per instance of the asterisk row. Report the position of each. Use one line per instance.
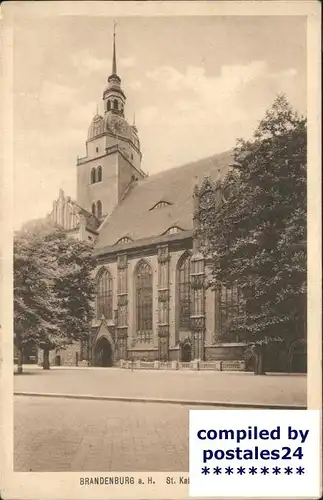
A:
(254, 470)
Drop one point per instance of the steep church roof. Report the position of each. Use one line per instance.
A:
(160, 203)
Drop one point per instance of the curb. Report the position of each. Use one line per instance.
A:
(28, 368)
(183, 402)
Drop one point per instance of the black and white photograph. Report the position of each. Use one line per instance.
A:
(160, 231)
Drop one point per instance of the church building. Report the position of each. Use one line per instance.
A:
(152, 303)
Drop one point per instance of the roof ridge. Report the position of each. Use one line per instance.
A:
(204, 158)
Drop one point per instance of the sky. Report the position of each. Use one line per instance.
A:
(195, 84)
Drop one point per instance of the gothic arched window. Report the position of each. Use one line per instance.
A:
(144, 302)
(109, 105)
(99, 209)
(230, 304)
(93, 208)
(93, 176)
(115, 104)
(104, 295)
(99, 172)
(184, 292)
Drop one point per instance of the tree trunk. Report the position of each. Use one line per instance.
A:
(46, 365)
(259, 362)
(20, 358)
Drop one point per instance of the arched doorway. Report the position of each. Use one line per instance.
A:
(186, 352)
(103, 354)
(298, 357)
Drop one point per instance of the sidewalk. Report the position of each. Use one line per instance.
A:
(182, 386)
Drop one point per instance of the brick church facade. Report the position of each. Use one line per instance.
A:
(152, 303)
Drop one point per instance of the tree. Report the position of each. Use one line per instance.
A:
(74, 286)
(257, 237)
(54, 289)
(34, 302)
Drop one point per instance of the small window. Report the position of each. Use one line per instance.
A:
(93, 176)
(99, 172)
(125, 239)
(109, 105)
(99, 209)
(115, 104)
(93, 208)
(160, 204)
(97, 149)
(173, 230)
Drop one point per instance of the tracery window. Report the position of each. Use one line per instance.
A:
(184, 292)
(104, 295)
(144, 302)
(99, 209)
(99, 172)
(93, 176)
(230, 304)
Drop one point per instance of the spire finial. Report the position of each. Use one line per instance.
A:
(134, 119)
(114, 61)
(97, 109)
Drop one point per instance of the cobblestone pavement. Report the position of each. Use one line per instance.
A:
(193, 386)
(67, 435)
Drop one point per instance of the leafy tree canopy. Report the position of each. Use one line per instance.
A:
(257, 236)
(53, 286)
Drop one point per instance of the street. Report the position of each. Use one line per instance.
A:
(60, 434)
(65, 435)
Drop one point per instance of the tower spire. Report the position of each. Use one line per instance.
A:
(114, 60)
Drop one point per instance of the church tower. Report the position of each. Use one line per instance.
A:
(113, 155)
